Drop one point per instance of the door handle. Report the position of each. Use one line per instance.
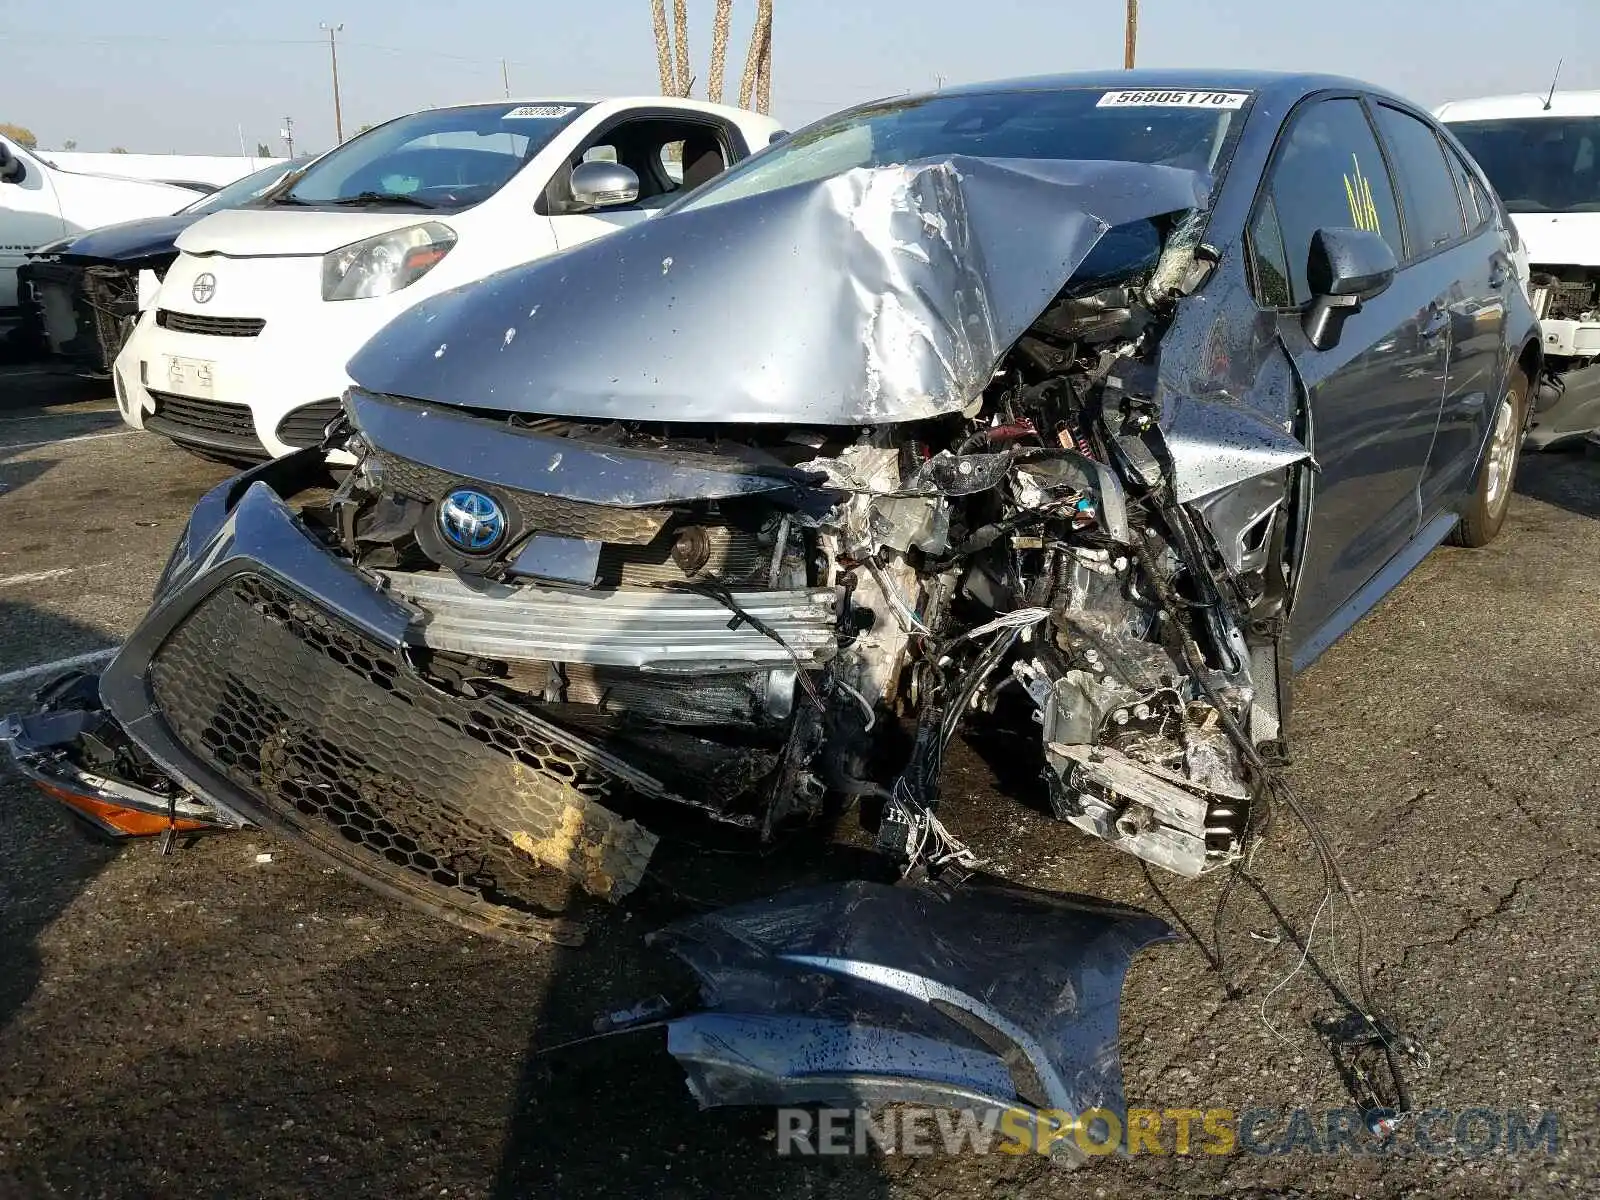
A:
(1435, 323)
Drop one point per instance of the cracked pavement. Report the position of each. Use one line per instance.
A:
(210, 1024)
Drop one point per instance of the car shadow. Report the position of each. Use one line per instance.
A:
(613, 1115)
(1567, 477)
(47, 857)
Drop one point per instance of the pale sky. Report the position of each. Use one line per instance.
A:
(186, 75)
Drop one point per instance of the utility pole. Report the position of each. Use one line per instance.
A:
(505, 78)
(333, 53)
(287, 134)
(1131, 38)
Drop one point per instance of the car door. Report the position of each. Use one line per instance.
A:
(1486, 272)
(1374, 396)
(1459, 272)
(30, 216)
(668, 153)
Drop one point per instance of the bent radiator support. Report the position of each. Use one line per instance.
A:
(649, 629)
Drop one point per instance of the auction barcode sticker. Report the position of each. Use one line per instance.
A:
(542, 111)
(1182, 98)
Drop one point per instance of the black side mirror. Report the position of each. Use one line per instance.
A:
(11, 168)
(777, 136)
(1345, 268)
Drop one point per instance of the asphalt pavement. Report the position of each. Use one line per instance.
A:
(234, 1020)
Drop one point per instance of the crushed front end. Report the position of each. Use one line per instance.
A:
(579, 583)
(479, 667)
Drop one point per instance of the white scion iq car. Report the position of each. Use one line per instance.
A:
(242, 353)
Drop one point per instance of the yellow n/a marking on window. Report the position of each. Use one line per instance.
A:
(1358, 191)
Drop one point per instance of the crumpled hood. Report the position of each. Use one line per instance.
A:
(879, 295)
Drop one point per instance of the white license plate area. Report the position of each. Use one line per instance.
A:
(192, 377)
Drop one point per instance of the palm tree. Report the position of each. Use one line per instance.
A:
(719, 49)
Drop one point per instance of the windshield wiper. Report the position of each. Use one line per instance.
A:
(363, 198)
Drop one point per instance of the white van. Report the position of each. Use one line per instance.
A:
(243, 353)
(1542, 153)
(41, 203)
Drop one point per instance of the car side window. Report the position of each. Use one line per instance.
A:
(668, 155)
(1427, 191)
(1480, 197)
(1269, 264)
(1474, 203)
(1329, 174)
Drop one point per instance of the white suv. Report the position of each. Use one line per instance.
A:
(1542, 153)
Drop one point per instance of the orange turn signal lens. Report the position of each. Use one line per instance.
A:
(129, 822)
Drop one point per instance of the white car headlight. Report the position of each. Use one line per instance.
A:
(386, 263)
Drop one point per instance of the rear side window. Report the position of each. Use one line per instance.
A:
(1427, 191)
(1486, 206)
(1479, 209)
(1329, 174)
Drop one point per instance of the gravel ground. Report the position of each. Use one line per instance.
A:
(209, 1024)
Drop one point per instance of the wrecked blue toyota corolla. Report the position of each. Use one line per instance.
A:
(1103, 402)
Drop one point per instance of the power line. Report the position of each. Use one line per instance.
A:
(116, 39)
(112, 39)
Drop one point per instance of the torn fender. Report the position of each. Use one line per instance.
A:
(860, 993)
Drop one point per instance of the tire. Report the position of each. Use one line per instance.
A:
(1486, 507)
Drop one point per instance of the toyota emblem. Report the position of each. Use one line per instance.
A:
(205, 287)
(472, 521)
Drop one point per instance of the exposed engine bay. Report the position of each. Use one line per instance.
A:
(1565, 293)
(569, 597)
(514, 634)
(86, 309)
(915, 571)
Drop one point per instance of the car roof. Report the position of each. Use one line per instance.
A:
(1526, 104)
(704, 106)
(1277, 85)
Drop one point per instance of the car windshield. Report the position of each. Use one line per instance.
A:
(443, 158)
(242, 191)
(1178, 128)
(1538, 164)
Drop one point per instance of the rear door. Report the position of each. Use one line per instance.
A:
(1375, 396)
(1479, 269)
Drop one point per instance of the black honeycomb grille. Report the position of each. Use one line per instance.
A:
(304, 425)
(338, 740)
(554, 514)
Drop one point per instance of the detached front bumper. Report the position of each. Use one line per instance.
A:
(277, 680)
